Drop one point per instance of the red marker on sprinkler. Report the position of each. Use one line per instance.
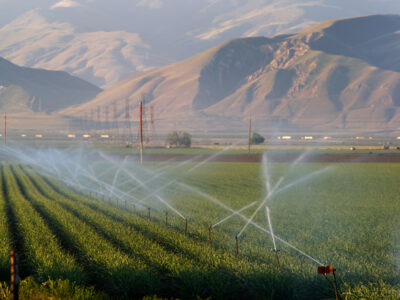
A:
(323, 270)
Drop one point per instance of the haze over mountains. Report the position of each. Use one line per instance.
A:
(30, 90)
(105, 41)
(342, 74)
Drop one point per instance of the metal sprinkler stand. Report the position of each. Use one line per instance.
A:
(166, 218)
(323, 270)
(148, 213)
(186, 226)
(209, 235)
(278, 265)
(237, 245)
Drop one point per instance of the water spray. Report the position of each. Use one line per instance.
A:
(148, 189)
(278, 266)
(102, 186)
(235, 213)
(324, 270)
(210, 158)
(269, 195)
(221, 204)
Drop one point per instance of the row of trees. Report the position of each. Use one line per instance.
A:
(184, 139)
(178, 139)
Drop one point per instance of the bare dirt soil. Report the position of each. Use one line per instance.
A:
(278, 157)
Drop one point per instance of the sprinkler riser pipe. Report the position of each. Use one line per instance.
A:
(237, 245)
(323, 270)
(278, 264)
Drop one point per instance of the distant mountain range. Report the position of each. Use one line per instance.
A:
(337, 75)
(105, 41)
(37, 90)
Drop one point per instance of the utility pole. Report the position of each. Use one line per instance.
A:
(128, 122)
(115, 125)
(99, 117)
(141, 130)
(5, 128)
(249, 135)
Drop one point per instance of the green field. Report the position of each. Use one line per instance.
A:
(85, 245)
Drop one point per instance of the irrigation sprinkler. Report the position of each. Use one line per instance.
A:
(323, 270)
(186, 225)
(278, 265)
(237, 245)
(148, 213)
(209, 235)
(166, 219)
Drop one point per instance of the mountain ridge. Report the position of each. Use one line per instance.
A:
(105, 42)
(317, 78)
(25, 89)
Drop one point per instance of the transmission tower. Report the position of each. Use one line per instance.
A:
(151, 125)
(129, 137)
(115, 123)
(98, 118)
(91, 120)
(106, 127)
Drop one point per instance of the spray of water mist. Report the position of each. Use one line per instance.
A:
(269, 195)
(270, 227)
(78, 168)
(223, 205)
(234, 214)
(211, 157)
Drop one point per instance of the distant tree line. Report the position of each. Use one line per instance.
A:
(256, 139)
(178, 139)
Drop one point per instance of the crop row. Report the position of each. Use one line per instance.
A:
(185, 267)
(5, 237)
(127, 255)
(107, 266)
(40, 250)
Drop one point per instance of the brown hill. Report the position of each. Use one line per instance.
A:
(37, 90)
(341, 74)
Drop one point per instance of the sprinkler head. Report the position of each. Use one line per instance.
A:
(322, 270)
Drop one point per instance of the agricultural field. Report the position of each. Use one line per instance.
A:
(112, 228)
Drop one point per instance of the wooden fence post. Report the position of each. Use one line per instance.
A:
(14, 275)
